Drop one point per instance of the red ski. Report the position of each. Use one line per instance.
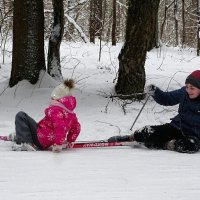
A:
(86, 144)
(4, 138)
(95, 144)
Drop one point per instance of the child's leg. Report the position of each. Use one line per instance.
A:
(25, 127)
(156, 136)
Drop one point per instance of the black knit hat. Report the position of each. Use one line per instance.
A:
(194, 79)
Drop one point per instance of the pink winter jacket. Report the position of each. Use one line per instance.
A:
(59, 124)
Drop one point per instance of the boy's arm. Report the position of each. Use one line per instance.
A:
(168, 98)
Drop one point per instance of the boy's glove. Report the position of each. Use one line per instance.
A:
(56, 148)
(151, 89)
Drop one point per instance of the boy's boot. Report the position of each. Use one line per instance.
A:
(170, 145)
(119, 138)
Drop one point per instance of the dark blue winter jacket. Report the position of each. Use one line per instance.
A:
(188, 118)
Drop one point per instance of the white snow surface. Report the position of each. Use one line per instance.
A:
(124, 173)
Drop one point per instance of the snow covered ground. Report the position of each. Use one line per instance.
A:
(122, 173)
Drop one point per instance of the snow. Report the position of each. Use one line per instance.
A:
(113, 173)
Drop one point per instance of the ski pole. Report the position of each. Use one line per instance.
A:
(140, 112)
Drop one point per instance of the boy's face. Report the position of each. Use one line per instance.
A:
(192, 91)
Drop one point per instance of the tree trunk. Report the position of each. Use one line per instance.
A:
(176, 21)
(183, 22)
(92, 21)
(54, 67)
(198, 28)
(99, 18)
(28, 41)
(139, 31)
(73, 14)
(114, 24)
(153, 34)
(95, 27)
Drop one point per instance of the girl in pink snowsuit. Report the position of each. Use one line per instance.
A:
(59, 125)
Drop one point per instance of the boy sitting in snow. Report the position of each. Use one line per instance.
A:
(182, 134)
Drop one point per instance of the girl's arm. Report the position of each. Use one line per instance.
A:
(74, 131)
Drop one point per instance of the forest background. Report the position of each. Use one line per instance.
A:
(97, 173)
(141, 25)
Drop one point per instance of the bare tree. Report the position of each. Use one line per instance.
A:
(166, 7)
(176, 22)
(28, 41)
(6, 13)
(92, 21)
(198, 27)
(95, 27)
(173, 31)
(54, 67)
(183, 23)
(140, 20)
(114, 24)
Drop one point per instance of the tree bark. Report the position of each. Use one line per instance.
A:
(114, 24)
(28, 41)
(54, 66)
(198, 28)
(176, 22)
(139, 31)
(99, 18)
(153, 22)
(92, 21)
(95, 27)
(183, 22)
